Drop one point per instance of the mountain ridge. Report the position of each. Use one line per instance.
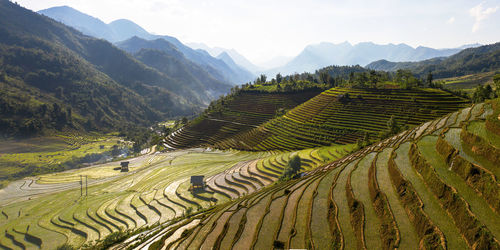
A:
(319, 55)
(123, 29)
(467, 61)
(81, 81)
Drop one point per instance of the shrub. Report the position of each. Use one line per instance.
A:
(292, 168)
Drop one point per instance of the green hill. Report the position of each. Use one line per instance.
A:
(335, 116)
(434, 187)
(54, 77)
(235, 114)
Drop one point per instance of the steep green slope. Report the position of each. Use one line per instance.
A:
(235, 114)
(336, 116)
(419, 189)
(94, 83)
(178, 67)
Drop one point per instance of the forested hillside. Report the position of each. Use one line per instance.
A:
(121, 30)
(54, 77)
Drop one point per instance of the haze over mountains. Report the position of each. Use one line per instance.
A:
(229, 65)
(123, 29)
(321, 55)
(468, 61)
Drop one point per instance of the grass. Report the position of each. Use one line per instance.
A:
(408, 234)
(301, 226)
(27, 157)
(339, 196)
(452, 136)
(290, 211)
(124, 190)
(320, 228)
(431, 205)
(479, 128)
(360, 188)
(468, 82)
(270, 223)
(477, 204)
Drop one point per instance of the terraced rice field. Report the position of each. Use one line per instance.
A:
(415, 190)
(329, 118)
(48, 210)
(244, 112)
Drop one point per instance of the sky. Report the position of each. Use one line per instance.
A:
(263, 29)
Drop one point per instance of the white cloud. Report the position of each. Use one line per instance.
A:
(480, 13)
(451, 20)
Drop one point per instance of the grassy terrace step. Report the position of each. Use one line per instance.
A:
(470, 213)
(340, 199)
(407, 234)
(300, 237)
(253, 218)
(486, 152)
(431, 205)
(389, 231)
(477, 177)
(319, 223)
(290, 212)
(362, 194)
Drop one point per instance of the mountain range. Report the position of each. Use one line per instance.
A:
(320, 55)
(468, 61)
(55, 77)
(123, 29)
(230, 66)
(235, 56)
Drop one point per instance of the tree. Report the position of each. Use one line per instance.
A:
(279, 78)
(323, 77)
(184, 120)
(262, 78)
(429, 78)
(496, 80)
(392, 125)
(292, 168)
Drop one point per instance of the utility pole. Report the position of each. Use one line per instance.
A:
(86, 186)
(81, 186)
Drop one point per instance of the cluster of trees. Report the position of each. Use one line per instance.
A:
(482, 93)
(338, 76)
(21, 116)
(291, 169)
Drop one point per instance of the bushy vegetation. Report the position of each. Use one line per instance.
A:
(291, 169)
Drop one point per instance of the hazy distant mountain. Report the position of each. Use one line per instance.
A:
(165, 57)
(467, 61)
(236, 57)
(123, 29)
(88, 25)
(324, 54)
(275, 62)
(224, 56)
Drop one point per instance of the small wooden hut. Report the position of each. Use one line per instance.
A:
(197, 182)
(124, 165)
